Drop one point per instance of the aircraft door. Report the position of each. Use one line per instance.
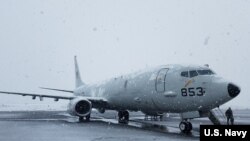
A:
(161, 80)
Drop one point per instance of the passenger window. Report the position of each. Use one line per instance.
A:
(184, 74)
(193, 73)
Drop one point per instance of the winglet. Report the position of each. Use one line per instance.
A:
(77, 75)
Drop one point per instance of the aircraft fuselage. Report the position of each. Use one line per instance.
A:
(162, 89)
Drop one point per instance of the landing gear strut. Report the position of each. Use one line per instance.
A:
(123, 117)
(185, 126)
(86, 118)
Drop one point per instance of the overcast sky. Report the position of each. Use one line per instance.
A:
(38, 39)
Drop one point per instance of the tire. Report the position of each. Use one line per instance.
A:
(123, 117)
(88, 117)
(183, 126)
(190, 126)
(81, 119)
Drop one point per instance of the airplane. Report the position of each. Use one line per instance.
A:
(190, 90)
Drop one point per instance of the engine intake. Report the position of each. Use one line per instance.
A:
(79, 107)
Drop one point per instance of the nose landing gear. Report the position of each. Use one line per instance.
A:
(185, 126)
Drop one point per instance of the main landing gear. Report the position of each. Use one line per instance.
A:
(86, 118)
(123, 117)
(185, 126)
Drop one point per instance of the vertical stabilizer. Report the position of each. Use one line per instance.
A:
(77, 75)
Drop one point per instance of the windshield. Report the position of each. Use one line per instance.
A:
(193, 73)
(205, 72)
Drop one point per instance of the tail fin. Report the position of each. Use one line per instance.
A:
(77, 75)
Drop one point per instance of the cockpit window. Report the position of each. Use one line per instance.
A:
(193, 73)
(184, 74)
(205, 72)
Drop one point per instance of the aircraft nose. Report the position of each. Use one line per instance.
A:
(233, 90)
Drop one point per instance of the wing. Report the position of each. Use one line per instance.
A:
(97, 102)
(41, 96)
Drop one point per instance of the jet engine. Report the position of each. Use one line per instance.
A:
(79, 107)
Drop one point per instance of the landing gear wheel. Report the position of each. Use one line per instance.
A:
(190, 126)
(185, 127)
(86, 118)
(123, 117)
(81, 119)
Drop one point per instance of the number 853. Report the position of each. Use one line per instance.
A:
(199, 91)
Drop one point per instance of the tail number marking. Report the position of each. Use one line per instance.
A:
(199, 91)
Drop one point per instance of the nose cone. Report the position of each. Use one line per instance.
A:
(233, 90)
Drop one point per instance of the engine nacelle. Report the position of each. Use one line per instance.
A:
(79, 107)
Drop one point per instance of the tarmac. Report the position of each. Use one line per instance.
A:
(60, 126)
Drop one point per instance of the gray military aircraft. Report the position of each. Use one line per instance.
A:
(192, 91)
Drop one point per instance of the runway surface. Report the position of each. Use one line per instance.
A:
(59, 126)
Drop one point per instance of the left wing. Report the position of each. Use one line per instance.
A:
(41, 96)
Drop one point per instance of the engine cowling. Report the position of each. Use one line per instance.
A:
(79, 107)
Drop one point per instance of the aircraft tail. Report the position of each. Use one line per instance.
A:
(78, 80)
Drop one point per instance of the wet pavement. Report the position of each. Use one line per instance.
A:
(59, 126)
